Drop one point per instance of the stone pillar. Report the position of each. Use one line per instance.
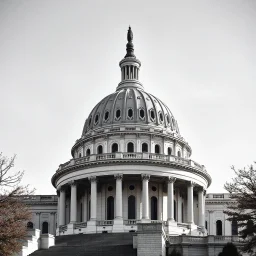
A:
(201, 207)
(160, 202)
(170, 199)
(73, 203)
(52, 224)
(85, 202)
(93, 181)
(190, 203)
(37, 226)
(62, 207)
(145, 208)
(119, 196)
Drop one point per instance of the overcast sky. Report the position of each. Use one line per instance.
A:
(59, 58)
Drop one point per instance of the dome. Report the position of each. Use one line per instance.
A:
(130, 106)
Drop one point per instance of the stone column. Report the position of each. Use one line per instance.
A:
(190, 203)
(85, 202)
(93, 181)
(37, 226)
(170, 198)
(119, 196)
(52, 224)
(145, 208)
(62, 207)
(160, 202)
(73, 203)
(201, 207)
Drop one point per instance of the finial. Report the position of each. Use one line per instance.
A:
(129, 45)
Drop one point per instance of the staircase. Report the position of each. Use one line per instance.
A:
(91, 245)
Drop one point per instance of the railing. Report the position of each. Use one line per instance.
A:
(63, 228)
(135, 155)
(80, 225)
(130, 222)
(105, 223)
(159, 221)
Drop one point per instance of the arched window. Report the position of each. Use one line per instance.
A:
(88, 152)
(169, 151)
(206, 224)
(157, 149)
(100, 149)
(174, 210)
(153, 208)
(30, 225)
(249, 227)
(114, 148)
(80, 155)
(45, 227)
(130, 147)
(131, 208)
(182, 213)
(179, 154)
(144, 147)
(89, 210)
(234, 228)
(219, 228)
(110, 208)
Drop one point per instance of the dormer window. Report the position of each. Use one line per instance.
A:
(141, 113)
(96, 120)
(152, 115)
(106, 116)
(130, 114)
(168, 119)
(90, 121)
(118, 114)
(161, 117)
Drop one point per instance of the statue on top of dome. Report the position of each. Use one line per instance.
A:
(129, 45)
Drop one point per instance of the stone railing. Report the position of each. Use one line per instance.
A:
(159, 221)
(130, 222)
(63, 228)
(105, 223)
(130, 156)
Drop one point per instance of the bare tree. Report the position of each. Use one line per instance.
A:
(14, 214)
(242, 211)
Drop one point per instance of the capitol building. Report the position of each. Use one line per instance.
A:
(133, 173)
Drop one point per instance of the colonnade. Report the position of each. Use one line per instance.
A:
(145, 200)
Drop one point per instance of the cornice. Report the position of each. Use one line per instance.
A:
(109, 162)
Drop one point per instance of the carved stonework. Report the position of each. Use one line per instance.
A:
(38, 213)
(171, 179)
(72, 183)
(145, 176)
(92, 179)
(191, 184)
(118, 176)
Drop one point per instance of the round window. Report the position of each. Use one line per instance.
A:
(131, 187)
(110, 188)
(153, 188)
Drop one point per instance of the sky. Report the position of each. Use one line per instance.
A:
(59, 58)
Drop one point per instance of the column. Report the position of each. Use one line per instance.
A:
(190, 202)
(52, 223)
(129, 72)
(201, 207)
(145, 211)
(85, 202)
(170, 199)
(119, 196)
(62, 207)
(93, 181)
(160, 202)
(73, 202)
(37, 226)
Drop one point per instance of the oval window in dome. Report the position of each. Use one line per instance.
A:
(106, 116)
(152, 115)
(130, 113)
(118, 114)
(142, 113)
(96, 120)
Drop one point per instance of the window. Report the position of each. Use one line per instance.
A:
(142, 113)
(110, 208)
(131, 187)
(90, 121)
(88, 152)
(152, 115)
(96, 120)
(161, 117)
(153, 208)
(153, 188)
(106, 116)
(110, 188)
(118, 114)
(182, 213)
(168, 119)
(80, 155)
(130, 113)
(114, 148)
(219, 228)
(100, 149)
(131, 208)
(249, 227)
(157, 149)
(174, 210)
(45, 227)
(179, 154)
(130, 147)
(144, 147)
(206, 224)
(234, 228)
(169, 151)
(30, 225)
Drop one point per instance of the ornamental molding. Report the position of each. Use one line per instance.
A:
(72, 183)
(92, 179)
(118, 176)
(171, 179)
(145, 176)
(109, 162)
